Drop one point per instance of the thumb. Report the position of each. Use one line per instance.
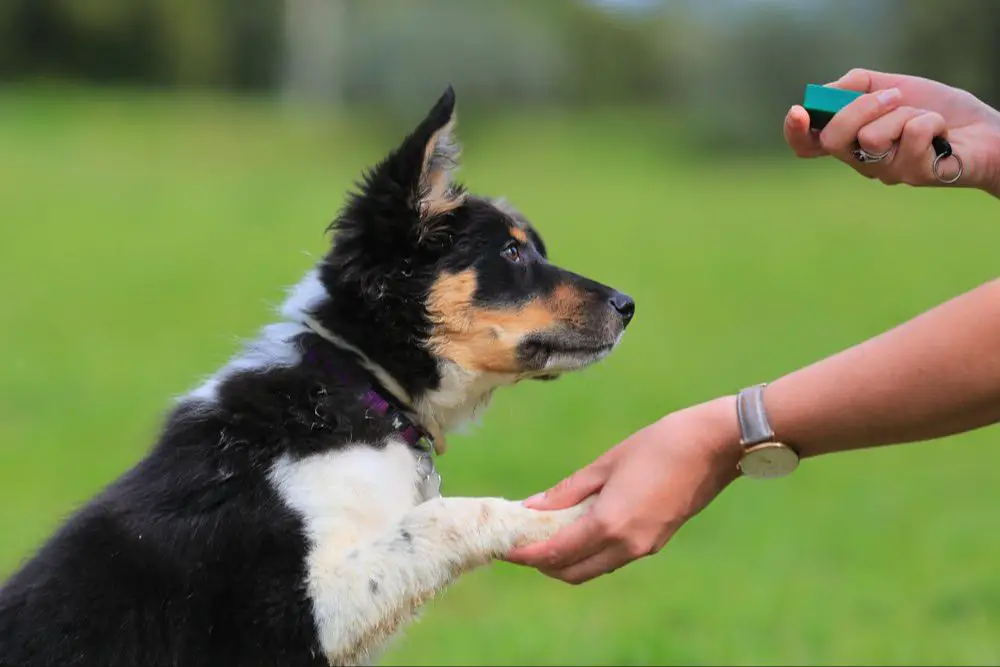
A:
(866, 80)
(570, 491)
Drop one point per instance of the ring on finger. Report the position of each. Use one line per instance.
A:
(863, 156)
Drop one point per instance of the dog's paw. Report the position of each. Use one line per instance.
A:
(540, 525)
(487, 528)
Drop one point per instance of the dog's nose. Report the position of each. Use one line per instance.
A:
(625, 306)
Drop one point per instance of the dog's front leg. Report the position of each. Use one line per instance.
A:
(361, 596)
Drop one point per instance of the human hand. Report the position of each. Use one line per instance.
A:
(902, 114)
(648, 486)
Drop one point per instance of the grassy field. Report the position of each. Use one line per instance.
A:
(143, 237)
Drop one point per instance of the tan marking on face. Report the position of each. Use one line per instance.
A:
(486, 339)
(519, 235)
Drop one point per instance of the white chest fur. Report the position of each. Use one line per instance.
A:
(351, 494)
(348, 498)
(378, 551)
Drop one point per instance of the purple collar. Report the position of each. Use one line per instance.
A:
(404, 426)
(352, 375)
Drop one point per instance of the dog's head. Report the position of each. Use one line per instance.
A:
(442, 287)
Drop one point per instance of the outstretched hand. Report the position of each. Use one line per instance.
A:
(647, 487)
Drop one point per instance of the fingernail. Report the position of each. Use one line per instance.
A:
(888, 96)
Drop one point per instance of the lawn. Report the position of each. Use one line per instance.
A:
(144, 236)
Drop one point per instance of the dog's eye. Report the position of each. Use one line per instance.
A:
(512, 252)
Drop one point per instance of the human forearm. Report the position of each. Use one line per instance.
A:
(936, 375)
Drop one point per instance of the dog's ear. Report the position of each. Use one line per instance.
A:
(435, 144)
(414, 185)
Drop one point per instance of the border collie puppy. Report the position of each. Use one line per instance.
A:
(289, 513)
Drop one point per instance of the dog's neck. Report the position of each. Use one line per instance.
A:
(459, 398)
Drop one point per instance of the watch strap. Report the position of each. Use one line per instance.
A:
(754, 425)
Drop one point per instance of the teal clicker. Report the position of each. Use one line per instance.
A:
(822, 102)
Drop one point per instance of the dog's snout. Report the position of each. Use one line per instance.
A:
(625, 306)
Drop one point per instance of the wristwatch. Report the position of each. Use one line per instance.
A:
(763, 456)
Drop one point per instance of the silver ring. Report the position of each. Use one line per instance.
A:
(861, 155)
(937, 173)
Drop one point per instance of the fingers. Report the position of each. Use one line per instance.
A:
(577, 541)
(840, 134)
(915, 154)
(799, 136)
(883, 133)
(601, 563)
(881, 97)
(616, 554)
(911, 132)
(572, 490)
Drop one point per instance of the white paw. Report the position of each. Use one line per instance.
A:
(539, 525)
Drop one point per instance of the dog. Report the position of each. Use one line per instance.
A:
(289, 512)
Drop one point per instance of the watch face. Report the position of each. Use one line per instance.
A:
(771, 459)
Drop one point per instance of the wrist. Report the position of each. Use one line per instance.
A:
(720, 420)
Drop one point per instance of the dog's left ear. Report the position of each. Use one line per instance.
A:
(421, 169)
(406, 196)
(439, 150)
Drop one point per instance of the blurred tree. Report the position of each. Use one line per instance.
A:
(315, 49)
(391, 51)
(494, 53)
(728, 67)
(955, 42)
(104, 40)
(228, 43)
(744, 74)
(616, 56)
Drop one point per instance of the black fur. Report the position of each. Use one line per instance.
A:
(190, 558)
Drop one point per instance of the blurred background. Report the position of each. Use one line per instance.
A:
(168, 168)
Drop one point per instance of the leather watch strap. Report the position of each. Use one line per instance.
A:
(754, 425)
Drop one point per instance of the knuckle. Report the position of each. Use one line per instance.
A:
(869, 137)
(828, 142)
(921, 127)
(608, 527)
(637, 548)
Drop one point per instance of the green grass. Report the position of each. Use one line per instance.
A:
(144, 236)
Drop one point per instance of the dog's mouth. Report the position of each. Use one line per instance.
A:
(550, 355)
